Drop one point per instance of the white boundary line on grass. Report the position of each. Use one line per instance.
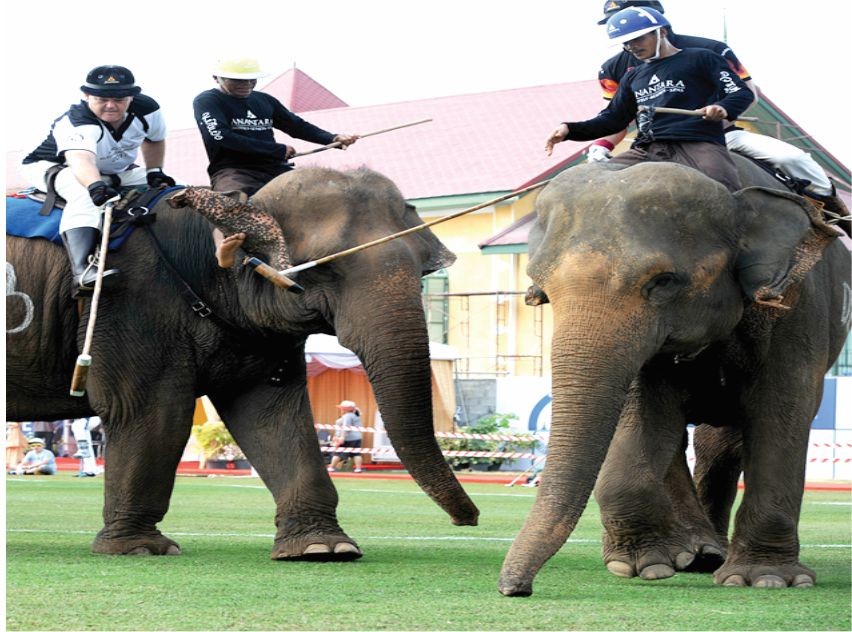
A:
(190, 534)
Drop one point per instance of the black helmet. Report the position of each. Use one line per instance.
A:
(110, 81)
(611, 7)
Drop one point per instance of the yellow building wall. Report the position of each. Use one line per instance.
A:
(495, 332)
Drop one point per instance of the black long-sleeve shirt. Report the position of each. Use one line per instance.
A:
(239, 132)
(690, 79)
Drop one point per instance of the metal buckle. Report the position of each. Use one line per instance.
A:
(143, 211)
(201, 309)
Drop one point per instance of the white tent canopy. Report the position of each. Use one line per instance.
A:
(324, 351)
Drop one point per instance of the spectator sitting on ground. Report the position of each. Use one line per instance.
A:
(38, 460)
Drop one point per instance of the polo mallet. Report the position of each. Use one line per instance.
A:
(531, 467)
(84, 360)
(338, 144)
(408, 231)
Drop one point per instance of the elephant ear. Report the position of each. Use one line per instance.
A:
(782, 242)
(437, 255)
(535, 295)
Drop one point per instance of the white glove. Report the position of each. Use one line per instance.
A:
(598, 153)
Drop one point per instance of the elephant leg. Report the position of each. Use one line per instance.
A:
(718, 465)
(764, 549)
(709, 551)
(139, 474)
(275, 429)
(643, 531)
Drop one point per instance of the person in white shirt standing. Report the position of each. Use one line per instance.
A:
(82, 429)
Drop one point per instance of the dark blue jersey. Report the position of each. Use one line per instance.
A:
(239, 132)
(690, 79)
(614, 68)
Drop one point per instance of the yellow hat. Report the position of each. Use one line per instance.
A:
(238, 68)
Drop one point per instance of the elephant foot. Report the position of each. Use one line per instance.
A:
(708, 558)
(331, 548)
(765, 576)
(156, 544)
(654, 560)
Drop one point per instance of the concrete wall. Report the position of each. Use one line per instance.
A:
(475, 399)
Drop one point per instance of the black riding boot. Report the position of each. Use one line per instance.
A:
(80, 244)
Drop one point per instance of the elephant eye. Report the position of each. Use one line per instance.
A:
(663, 287)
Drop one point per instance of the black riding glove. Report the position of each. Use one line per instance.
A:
(100, 192)
(156, 178)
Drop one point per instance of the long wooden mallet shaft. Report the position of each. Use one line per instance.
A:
(84, 360)
(375, 133)
(408, 231)
(644, 108)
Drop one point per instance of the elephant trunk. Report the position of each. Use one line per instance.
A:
(591, 379)
(402, 383)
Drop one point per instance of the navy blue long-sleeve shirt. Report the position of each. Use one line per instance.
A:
(690, 79)
(238, 133)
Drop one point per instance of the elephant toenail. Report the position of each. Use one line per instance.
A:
(346, 547)
(683, 560)
(620, 569)
(803, 581)
(769, 581)
(173, 550)
(316, 549)
(139, 550)
(657, 571)
(735, 580)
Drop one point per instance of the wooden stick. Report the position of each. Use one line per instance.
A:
(271, 274)
(338, 144)
(408, 231)
(84, 360)
(644, 108)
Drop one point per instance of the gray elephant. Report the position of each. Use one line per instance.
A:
(675, 301)
(242, 344)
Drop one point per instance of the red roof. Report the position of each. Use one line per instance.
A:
(475, 143)
(300, 93)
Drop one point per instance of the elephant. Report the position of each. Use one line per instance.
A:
(675, 301)
(242, 344)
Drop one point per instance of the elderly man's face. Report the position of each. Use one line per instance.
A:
(109, 109)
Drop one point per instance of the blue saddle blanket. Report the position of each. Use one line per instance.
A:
(23, 220)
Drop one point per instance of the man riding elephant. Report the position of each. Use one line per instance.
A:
(689, 79)
(237, 126)
(803, 172)
(89, 155)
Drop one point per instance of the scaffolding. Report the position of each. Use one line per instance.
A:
(504, 357)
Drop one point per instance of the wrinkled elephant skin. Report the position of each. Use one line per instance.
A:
(677, 302)
(153, 355)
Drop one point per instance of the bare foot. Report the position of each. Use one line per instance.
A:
(227, 249)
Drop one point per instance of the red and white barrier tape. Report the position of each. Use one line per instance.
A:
(470, 453)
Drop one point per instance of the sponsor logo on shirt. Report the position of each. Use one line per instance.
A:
(211, 123)
(728, 82)
(251, 124)
(250, 114)
(658, 88)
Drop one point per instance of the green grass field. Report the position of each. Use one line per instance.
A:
(418, 572)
